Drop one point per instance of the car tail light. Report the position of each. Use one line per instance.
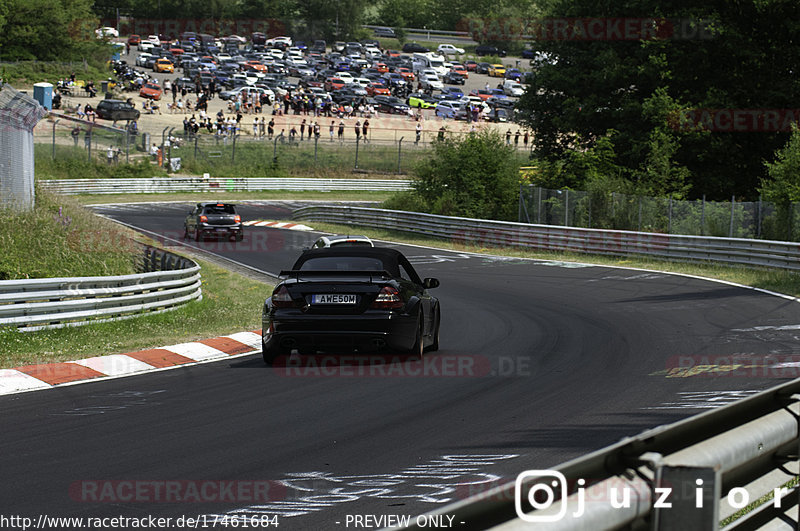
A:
(203, 219)
(388, 299)
(237, 218)
(281, 298)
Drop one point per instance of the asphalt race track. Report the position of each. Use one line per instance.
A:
(540, 362)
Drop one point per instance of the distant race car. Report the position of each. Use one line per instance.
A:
(213, 220)
(350, 298)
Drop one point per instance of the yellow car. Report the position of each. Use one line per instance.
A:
(163, 65)
(497, 70)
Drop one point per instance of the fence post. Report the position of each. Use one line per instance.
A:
(566, 208)
(669, 217)
(356, 164)
(399, 147)
(758, 227)
(275, 148)
(539, 208)
(54, 138)
(195, 146)
(233, 151)
(733, 206)
(703, 217)
(519, 206)
(91, 139)
(639, 229)
(613, 212)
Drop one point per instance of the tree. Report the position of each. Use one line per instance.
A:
(475, 177)
(743, 55)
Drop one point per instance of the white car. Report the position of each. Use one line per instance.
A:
(146, 45)
(364, 82)
(141, 60)
(449, 49)
(432, 81)
(342, 240)
(512, 88)
(106, 32)
(154, 39)
(347, 77)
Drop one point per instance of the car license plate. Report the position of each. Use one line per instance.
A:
(333, 298)
(222, 230)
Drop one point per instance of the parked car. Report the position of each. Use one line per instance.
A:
(497, 70)
(423, 101)
(449, 49)
(413, 47)
(116, 110)
(451, 109)
(218, 220)
(453, 78)
(134, 39)
(485, 49)
(385, 32)
(391, 105)
(163, 65)
(482, 68)
(350, 298)
(151, 91)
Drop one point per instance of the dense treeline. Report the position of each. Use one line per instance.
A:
(644, 115)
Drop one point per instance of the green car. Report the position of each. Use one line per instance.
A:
(421, 100)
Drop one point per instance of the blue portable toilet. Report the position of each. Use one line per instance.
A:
(118, 49)
(43, 93)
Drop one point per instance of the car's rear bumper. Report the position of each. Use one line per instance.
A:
(369, 332)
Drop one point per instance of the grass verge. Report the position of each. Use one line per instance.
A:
(779, 281)
(52, 239)
(231, 303)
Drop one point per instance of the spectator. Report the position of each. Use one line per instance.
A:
(441, 133)
(75, 134)
(271, 128)
(419, 133)
(331, 128)
(365, 129)
(516, 139)
(525, 140)
(255, 127)
(358, 130)
(508, 137)
(110, 155)
(316, 131)
(302, 129)
(341, 131)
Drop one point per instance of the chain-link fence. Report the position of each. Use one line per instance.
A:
(611, 210)
(66, 138)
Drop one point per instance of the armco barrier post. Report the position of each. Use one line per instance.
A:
(399, 146)
(54, 138)
(733, 207)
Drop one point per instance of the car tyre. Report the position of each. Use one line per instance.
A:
(434, 346)
(418, 349)
(270, 354)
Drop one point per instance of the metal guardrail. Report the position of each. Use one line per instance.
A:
(689, 475)
(167, 281)
(759, 253)
(161, 185)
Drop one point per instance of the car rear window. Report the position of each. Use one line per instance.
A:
(219, 209)
(342, 263)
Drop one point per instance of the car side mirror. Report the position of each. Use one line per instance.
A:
(430, 283)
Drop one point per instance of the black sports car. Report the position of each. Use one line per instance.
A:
(217, 220)
(351, 298)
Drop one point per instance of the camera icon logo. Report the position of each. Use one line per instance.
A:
(541, 495)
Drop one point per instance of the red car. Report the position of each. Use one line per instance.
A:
(134, 40)
(482, 94)
(376, 89)
(407, 74)
(333, 83)
(151, 91)
(470, 65)
(381, 67)
(461, 70)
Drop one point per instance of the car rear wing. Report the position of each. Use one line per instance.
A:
(372, 274)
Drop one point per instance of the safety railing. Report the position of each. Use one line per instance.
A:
(693, 474)
(159, 185)
(166, 281)
(757, 253)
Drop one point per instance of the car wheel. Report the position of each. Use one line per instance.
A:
(434, 346)
(418, 349)
(240, 237)
(270, 354)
